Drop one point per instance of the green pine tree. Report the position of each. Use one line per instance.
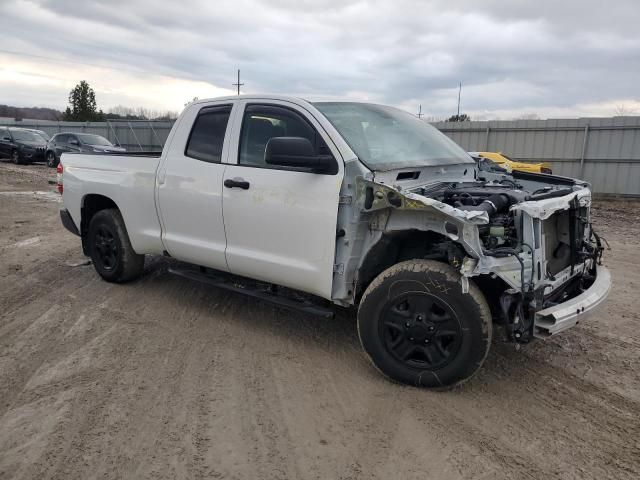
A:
(82, 105)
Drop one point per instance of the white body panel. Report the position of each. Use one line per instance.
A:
(127, 180)
(283, 228)
(189, 198)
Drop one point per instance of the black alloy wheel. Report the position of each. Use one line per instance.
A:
(419, 326)
(421, 330)
(106, 248)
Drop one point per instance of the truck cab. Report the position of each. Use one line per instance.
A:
(353, 204)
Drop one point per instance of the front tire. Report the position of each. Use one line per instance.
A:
(418, 327)
(111, 252)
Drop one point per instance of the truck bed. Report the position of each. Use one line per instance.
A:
(127, 178)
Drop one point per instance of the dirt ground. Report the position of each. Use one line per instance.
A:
(164, 378)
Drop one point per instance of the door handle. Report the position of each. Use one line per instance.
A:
(162, 175)
(236, 182)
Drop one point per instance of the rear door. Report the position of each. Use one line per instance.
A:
(189, 186)
(280, 223)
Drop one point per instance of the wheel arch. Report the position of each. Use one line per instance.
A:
(396, 247)
(91, 204)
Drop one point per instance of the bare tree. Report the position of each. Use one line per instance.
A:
(623, 110)
(140, 113)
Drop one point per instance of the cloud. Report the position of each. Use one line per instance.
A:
(572, 57)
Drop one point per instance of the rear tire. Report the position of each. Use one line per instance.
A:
(15, 157)
(110, 249)
(51, 160)
(418, 327)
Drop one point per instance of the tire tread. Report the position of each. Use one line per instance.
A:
(132, 264)
(432, 266)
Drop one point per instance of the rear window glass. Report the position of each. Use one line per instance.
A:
(207, 135)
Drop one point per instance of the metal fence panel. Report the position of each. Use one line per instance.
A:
(603, 151)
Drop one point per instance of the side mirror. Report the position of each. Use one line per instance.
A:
(297, 152)
(6, 139)
(73, 141)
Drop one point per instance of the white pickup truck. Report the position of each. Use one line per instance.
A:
(352, 204)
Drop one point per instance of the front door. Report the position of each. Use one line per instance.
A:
(280, 223)
(189, 186)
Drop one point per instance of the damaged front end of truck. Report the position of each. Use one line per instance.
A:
(525, 239)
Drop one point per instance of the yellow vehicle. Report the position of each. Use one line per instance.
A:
(505, 162)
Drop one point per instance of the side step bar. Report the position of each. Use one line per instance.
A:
(279, 300)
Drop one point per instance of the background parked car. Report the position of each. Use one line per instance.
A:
(78, 142)
(21, 145)
(511, 165)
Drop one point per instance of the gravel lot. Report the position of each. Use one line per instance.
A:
(164, 378)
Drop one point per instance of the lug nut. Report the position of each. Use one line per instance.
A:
(411, 338)
(419, 318)
(407, 324)
(426, 340)
(431, 329)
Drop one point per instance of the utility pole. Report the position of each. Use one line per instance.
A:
(238, 84)
(420, 111)
(459, 92)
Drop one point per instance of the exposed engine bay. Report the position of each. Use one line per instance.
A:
(547, 244)
(527, 237)
(496, 199)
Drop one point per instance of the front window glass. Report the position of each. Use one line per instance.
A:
(261, 123)
(89, 139)
(386, 138)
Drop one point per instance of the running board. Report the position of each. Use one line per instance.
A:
(279, 300)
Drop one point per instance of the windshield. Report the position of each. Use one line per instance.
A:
(89, 139)
(42, 134)
(25, 136)
(386, 138)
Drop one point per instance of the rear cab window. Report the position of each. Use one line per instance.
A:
(207, 134)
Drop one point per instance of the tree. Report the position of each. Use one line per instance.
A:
(463, 117)
(82, 105)
(623, 110)
(129, 113)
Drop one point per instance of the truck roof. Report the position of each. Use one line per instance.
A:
(270, 96)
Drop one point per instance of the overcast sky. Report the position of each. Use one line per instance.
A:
(561, 58)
